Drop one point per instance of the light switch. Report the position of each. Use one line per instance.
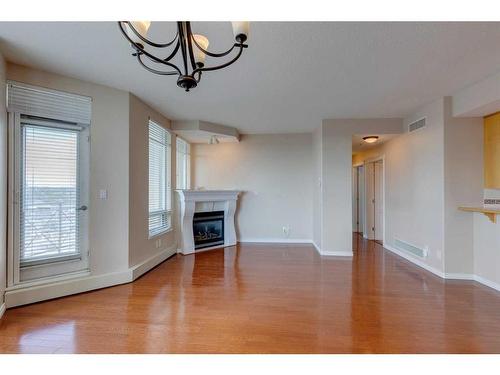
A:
(103, 194)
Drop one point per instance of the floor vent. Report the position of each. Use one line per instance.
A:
(419, 124)
(411, 249)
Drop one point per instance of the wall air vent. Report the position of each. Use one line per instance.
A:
(419, 124)
(410, 249)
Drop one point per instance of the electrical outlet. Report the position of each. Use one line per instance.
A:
(158, 243)
(286, 231)
(103, 194)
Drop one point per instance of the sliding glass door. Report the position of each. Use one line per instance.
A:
(51, 198)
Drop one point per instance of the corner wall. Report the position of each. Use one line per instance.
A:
(274, 173)
(141, 247)
(463, 167)
(3, 184)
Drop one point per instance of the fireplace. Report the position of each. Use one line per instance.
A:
(208, 229)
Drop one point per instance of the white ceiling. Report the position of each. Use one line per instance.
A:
(293, 75)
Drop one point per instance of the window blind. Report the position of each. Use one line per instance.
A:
(50, 104)
(49, 193)
(160, 208)
(182, 164)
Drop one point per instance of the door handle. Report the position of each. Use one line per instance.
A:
(82, 208)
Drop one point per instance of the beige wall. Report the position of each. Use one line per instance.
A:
(3, 182)
(463, 168)
(414, 184)
(275, 174)
(109, 165)
(141, 247)
(317, 187)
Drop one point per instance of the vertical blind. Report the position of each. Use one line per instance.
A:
(49, 193)
(160, 208)
(182, 164)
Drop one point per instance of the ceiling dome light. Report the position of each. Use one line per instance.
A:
(192, 47)
(371, 139)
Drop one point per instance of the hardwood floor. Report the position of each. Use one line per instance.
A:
(256, 298)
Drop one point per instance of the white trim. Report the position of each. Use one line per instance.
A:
(2, 309)
(332, 253)
(39, 293)
(275, 240)
(458, 276)
(446, 276)
(140, 269)
(36, 293)
(337, 253)
(415, 261)
(487, 282)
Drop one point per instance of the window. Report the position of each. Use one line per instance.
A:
(49, 193)
(183, 164)
(160, 206)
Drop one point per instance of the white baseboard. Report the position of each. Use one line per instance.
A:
(458, 276)
(416, 261)
(487, 282)
(37, 293)
(275, 240)
(140, 269)
(337, 253)
(332, 253)
(2, 309)
(448, 275)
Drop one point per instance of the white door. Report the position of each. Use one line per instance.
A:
(355, 199)
(51, 198)
(378, 174)
(370, 201)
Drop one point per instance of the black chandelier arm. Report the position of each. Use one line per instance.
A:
(174, 52)
(141, 51)
(212, 68)
(155, 71)
(182, 39)
(190, 45)
(212, 54)
(145, 40)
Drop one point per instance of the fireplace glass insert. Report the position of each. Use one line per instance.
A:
(208, 229)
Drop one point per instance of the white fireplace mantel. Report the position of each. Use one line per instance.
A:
(225, 200)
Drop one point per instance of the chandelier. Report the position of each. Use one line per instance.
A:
(193, 48)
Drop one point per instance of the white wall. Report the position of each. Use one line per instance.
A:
(463, 166)
(486, 250)
(3, 182)
(109, 165)
(415, 185)
(317, 186)
(275, 173)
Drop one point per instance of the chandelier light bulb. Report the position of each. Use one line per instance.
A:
(241, 30)
(199, 55)
(141, 27)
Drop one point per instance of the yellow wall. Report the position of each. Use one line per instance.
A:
(492, 151)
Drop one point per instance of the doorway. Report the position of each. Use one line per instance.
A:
(50, 166)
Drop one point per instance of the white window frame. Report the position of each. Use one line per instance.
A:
(43, 269)
(187, 166)
(168, 186)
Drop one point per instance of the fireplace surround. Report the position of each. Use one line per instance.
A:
(195, 204)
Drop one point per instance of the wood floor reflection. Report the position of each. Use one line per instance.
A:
(263, 298)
